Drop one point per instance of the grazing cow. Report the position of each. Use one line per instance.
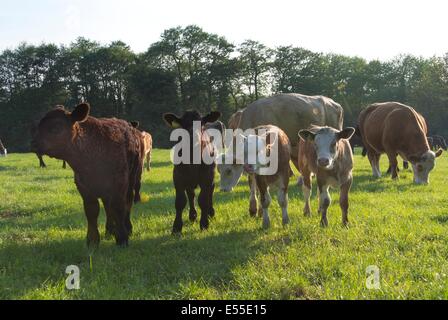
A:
(326, 153)
(107, 158)
(439, 142)
(279, 178)
(291, 112)
(188, 176)
(396, 129)
(3, 151)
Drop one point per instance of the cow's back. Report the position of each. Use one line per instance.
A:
(392, 126)
(291, 113)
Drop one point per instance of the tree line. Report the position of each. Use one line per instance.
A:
(189, 68)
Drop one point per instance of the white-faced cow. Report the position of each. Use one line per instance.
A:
(268, 144)
(326, 153)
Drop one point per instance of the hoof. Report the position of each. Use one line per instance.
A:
(266, 224)
(204, 225)
(193, 215)
(285, 222)
(324, 223)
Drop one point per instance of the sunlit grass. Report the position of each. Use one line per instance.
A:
(400, 227)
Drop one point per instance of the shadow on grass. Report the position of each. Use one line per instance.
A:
(161, 267)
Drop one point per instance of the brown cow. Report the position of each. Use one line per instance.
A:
(326, 153)
(268, 139)
(107, 158)
(396, 129)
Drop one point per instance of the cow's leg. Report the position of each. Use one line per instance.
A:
(110, 226)
(137, 187)
(41, 162)
(405, 164)
(128, 223)
(120, 216)
(253, 196)
(306, 188)
(265, 199)
(393, 164)
(374, 159)
(282, 198)
(211, 212)
(205, 205)
(193, 213)
(92, 211)
(148, 162)
(181, 202)
(324, 201)
(343, 200)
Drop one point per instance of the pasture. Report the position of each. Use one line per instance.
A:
(399, 227)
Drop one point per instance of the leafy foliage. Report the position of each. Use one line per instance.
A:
(190, 68)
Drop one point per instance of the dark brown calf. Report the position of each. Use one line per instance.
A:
(188, 176)
(106, 156)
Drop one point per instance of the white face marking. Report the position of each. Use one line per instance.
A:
(423, 167)
(325, 143)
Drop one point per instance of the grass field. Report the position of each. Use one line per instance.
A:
(395, 225)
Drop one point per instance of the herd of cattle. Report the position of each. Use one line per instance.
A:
(309, 132)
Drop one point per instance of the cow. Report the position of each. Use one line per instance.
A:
(221, 128)
(147, 142)
(3, 151)
(106, 155)
(326, 153)
(397, 129)
(187, 176)
(271, 138)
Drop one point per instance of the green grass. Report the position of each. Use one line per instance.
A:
(400, 227)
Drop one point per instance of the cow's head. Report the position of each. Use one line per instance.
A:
(188, 118)
(252, 155)
(326, 143)
(423, 164)
(56, 130)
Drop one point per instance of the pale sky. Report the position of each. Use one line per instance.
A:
(367, 28)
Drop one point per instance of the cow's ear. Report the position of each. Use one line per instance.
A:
(346, 133)
(172, 120)
(306, 135)
(211, 117)
(135, 124)
(439, 152)
(80, 113)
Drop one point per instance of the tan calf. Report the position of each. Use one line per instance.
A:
(326, 153)
(147, 143)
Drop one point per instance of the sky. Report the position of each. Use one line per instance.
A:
(372, 29)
